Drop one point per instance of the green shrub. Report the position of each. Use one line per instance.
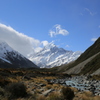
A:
(67, 93)
(16, 90)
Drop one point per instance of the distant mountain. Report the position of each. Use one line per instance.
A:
(51, 56)
(10, 58)
(87, 63)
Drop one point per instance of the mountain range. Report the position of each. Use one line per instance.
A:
(51, 56)
(9, 58)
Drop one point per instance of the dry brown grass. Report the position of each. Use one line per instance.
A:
(86, 95)
(55, 96)
(39, 80)
(48, 86)
(57, 87)
(35, 90)
(96, 98)
(12, 80)
(74, 89)
(41, 97)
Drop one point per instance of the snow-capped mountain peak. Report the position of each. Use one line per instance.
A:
(51, 56)
(50, 45)
(11, 58)
(5, 46)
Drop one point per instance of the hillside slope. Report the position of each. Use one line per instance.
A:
(92, 50)
(88, 62)
(86, 66)
(10, 58)
(92, 66)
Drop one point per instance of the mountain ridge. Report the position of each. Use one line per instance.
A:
(87, 63)
(11, 58)
(51, 56)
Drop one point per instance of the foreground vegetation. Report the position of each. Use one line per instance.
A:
(32, 84)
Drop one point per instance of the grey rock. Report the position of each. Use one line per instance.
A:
(47, 92)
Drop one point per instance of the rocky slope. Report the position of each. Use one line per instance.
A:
(88, 62)
(83, 67)
(10, 58)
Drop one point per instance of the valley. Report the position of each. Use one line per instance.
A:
(23, 79)
(44, 85)
(49, 49)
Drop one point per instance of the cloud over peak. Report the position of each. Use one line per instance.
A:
(20, 42)
(93, 39)
(44, 43)
(57, 30)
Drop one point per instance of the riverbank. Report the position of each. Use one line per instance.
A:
(21, 84)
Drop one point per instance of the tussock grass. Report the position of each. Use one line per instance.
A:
(88, 93)
(55, 96)
(12, 80)
(16, 90)
(96, 98)
(48, 86)
(41, 97)
(33, 89)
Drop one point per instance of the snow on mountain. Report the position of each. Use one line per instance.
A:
(9, 56)
(51, 56)
(6, 50)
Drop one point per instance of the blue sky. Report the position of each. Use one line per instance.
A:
(71, 24)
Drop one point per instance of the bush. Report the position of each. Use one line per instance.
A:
(16, 90)
(3, 81)
(67, 93)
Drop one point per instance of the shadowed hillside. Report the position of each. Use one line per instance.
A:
(92, 50)
(92, 66)
(91, 62)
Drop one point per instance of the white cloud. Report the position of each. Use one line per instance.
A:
(93, 39)
(91, 13)
(20, 42)
(58, 30)
(44, 43)
(38, 49)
